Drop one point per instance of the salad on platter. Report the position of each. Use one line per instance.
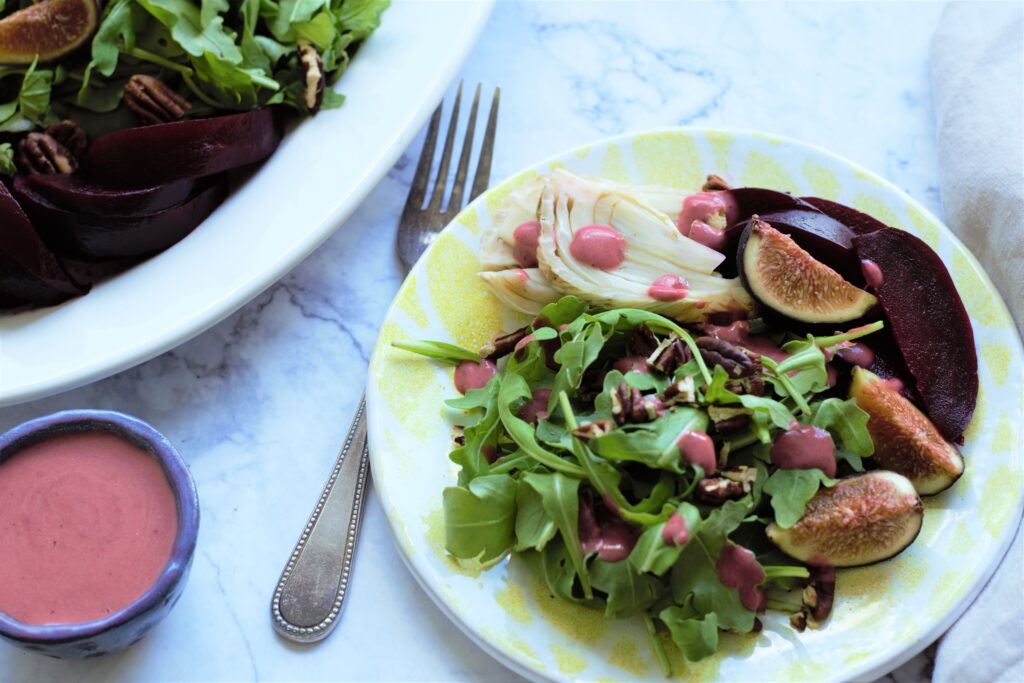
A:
(720, 398)
(122, 123)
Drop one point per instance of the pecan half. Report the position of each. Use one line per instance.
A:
(727, 420)
(733, 359)
(731, 484)
(41, 153)
(71, 135)
(715, 183)
(630, 406)
(503, 344)
(674, 353)
(683, 391)
(594, 429)
(819, 594)
(313, 80)
(153, 101)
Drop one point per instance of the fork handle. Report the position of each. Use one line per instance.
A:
(311, 591)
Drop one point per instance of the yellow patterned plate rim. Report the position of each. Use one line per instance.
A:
(441, 300)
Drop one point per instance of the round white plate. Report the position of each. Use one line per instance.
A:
(314, 181)
(883, 615)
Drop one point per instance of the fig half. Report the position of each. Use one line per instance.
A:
(906, 441)
(47, 30)
(823, 237)
(787, 279)
(861, 520)
(929, 324)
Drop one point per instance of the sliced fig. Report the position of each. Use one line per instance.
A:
(78, 234)
(855, 220)
(165, 152)
(929, 323)
(29, 271)
(906, 442)
(823, 237)
(47, 30)
(861, 520)
(787, 279)
(74, 192)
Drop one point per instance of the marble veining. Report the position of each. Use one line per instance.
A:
(259, 404)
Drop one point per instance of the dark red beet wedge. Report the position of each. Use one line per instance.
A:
(165, 152)
(855, 220)
(92, 236)
(929, 323)
(751, 201)
(29, 271)
(74, 192)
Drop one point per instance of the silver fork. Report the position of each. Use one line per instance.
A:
(309, 596)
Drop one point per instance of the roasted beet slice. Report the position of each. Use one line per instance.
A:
(29, 271)
(929, 323)
(750, 201)
(855, 220)
(75, 192)
(165, 152)
(92, 236)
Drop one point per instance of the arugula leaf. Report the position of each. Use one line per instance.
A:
(361, 17)
(562, 312)
(696, 637)
(559, 496)
(479, 520)
(514, 388)
(791, 489)
(652, 443)
(187, 28)
(479, 433)
(846, 420)
(652, 554)
(442, 351)
(7, 166)
(629, 592)
(534, 527)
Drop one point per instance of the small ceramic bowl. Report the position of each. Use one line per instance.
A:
(127, 626)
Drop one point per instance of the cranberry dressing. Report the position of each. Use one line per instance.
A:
(803, 447)
(525, 250)
(738, 568)
(675, 531)
(739, 333)
(634, 363)
(87, 523)
(536, 408)
(872, 273)
(473, 374)
(602, 531)
(669, 288)
(708, 207)
(697, 449)
(598, 246)
(701, 232)
(857, 354)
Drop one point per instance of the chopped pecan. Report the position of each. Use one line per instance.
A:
(671, 355)
(41, 153)
(731, 484)
(629, 405)
(643, 342)
(682, 391)
(733, 359)
(503, 344)
(71, 135)
(715, 183)
(728, 420)
(819, 594)
(798, 621)
(153, 101)
(594, 429)
(313, 76)
(458, 436)
(752, 384)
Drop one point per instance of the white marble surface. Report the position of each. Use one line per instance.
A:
(259, 404)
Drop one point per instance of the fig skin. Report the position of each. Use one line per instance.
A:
(861, 520)
(165, 152)
(74, 192)
(48, 29)
(78, 235)
(29, 271)
(930, 325)
(766, 253)
(906, 442)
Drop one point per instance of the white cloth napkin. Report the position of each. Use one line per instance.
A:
(978, 92)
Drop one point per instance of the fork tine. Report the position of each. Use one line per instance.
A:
(483, 167)
(446, 157)
(455, 203)
(418, 190)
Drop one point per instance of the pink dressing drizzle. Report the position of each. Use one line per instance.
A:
(598, 246)
(675, 531)
(701, 232)
(473, 375)
(803, 447)
(738, 568)
(872, 274)
(701, 206)
(697, 449)
(857, 354)
(602, 531)
(739, 333)
(635, 363)
(536, 408)
(526, 238)
(894, 383)
(669, 288)
(520, 348)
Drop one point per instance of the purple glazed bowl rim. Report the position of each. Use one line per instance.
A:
(178, 477)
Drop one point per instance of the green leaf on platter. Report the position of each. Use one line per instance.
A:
(628, 592)
(480, 518)
(559, 496)
(7, 167)
(482, 430)
(652, 443)
(183, 19)
(361, 17)
(534, 527)
(437, 350)
(846, 420)
(651, 553)
(695, 637)
(210, 11)
(791, 489)
(562, 312)
(513, 390)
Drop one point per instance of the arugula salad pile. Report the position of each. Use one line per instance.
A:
(545, 483)
(236, 55)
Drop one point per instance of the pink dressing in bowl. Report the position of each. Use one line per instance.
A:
(87, 525)
(598, 246)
